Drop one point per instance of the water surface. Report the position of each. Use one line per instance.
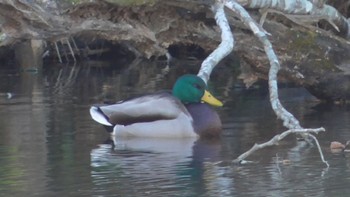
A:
(49, 146)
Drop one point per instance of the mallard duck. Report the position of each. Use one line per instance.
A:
(177, 114)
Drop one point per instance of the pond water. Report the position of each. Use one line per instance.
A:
(49, 146)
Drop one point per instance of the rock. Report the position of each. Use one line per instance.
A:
(337, 145)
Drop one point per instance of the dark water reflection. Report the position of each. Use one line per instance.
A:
(49, 146)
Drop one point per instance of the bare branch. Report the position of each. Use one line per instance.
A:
(225, 47)
(274, 141)
(304, 8)
(288, 119)
(302, 20)
(319, 149)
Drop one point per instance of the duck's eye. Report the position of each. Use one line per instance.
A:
(197, 86)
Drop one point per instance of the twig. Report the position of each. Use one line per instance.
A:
(70, 49)
(58, 52)
(319, 149)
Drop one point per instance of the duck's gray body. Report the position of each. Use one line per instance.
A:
(158, 115)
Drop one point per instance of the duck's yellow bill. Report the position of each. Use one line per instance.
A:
(210, 99)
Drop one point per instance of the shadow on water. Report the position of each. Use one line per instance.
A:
(49, 146)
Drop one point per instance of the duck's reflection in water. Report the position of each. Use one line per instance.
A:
(159, 165)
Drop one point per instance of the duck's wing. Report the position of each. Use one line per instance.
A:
(147, 108)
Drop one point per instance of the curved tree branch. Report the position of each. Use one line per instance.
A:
(288, 119)
(225, 47)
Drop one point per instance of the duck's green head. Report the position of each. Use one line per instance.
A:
(192, 89)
